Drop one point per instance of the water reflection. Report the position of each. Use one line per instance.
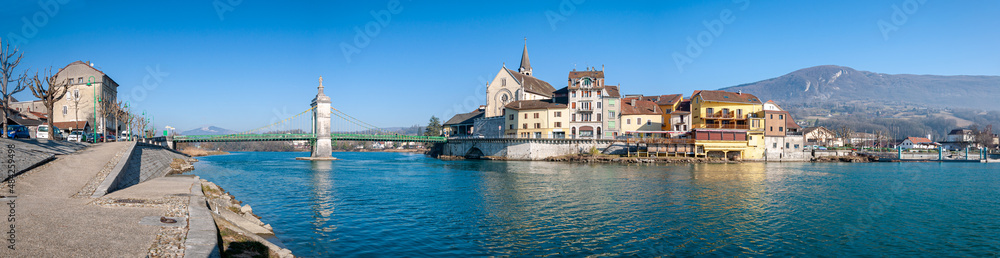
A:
(385, 204)
(322, 195)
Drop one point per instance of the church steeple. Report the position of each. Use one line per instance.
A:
(525, 64)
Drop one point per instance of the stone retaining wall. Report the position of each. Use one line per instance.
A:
(145, 162)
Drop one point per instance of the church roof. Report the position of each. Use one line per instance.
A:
(532, 84)
(525, 64)
(534, 104)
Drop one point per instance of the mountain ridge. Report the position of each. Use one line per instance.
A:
(833, 83)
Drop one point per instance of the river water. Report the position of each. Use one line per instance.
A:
(404, 205)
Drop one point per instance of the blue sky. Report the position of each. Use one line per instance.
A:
(242, 64)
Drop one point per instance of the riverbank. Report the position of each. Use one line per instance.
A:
(201, 153)
(241, 231)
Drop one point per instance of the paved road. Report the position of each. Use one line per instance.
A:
(52, 223)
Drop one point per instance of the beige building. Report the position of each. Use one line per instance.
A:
(78, 105)
(509, 86)
(640, 116)
(538, 119)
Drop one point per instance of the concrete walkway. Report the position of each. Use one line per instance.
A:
(52, 223)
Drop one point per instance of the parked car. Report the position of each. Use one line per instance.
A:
(43, 132)
(91, 137)
(18, 131)
(75, 136)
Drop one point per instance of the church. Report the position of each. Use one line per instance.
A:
(509, 86)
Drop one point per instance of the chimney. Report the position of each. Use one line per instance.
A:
(740, 92)
(633, 102)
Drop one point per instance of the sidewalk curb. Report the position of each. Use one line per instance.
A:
(202, 237)
(112, 177)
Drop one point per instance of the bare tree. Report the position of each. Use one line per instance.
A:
(982, 136)
(121, 116)
(10, 58)
(845, 133)
(49, 96)
(75, 97)
(140, 123)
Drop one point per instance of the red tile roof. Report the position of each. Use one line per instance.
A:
(592, 74)
(71, 124)
(641, 107)
(725, 96)
(918, 140)
(533, 104)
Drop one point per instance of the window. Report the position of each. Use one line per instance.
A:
(709, 110)
(598, 105)
(598, 117)
(628, 121)
(772, 116)
(611, 103)
(574, 118)
(611, 124)
(638, 121)
(739, 113)
(611, 114)
(69, 81)
(538, 125)
(781, 129)
(511, 116)
(503, 82)
(781, 116)
(649, 122)
(572, 94)
(786, 145)
(512, 126)
(557, 114)
(796, 146)
(574, 105)
(525, 115)
(774, 145)
(524, 126)
(558, 124)
(79, 80)
(536, 114)
(538, 135)
(76, 94)
(65, 110)
(771, 128)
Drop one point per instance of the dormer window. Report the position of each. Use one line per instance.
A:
(586, 82)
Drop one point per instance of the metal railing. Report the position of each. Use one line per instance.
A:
(721, 126)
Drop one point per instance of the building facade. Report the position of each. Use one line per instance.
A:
(728, 124)
(612, 112)
(537, 119)
(90, 91)
(586, 92)
(640, 116)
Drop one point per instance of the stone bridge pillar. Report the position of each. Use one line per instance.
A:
(322, 149)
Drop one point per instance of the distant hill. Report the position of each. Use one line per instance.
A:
(830, 83)
(208, 130)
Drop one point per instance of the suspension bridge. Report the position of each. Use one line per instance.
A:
(314, 125)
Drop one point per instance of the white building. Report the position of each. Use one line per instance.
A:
(918, 143)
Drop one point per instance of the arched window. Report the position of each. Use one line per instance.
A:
(638, 121)
(573, 131)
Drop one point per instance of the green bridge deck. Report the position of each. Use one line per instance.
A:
(298, 137)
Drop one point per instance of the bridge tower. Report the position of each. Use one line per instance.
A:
(322, 148)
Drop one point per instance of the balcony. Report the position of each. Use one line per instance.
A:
(722, 126)
(585, 109)
(724, 115)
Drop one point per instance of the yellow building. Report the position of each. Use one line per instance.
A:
(670, 106)
(640, 116)
(539, 119)
(727, 124)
